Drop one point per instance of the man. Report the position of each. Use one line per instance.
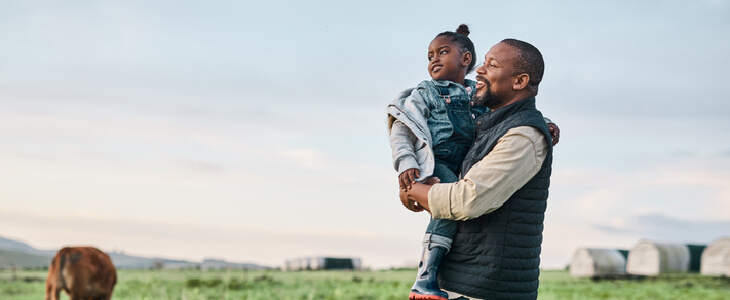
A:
(501, 196)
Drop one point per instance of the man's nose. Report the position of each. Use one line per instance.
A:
(482, 69)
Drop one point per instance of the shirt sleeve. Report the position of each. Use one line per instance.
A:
(516, 158)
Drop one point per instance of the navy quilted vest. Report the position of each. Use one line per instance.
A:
(497, 255)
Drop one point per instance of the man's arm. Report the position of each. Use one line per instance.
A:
(515, 159)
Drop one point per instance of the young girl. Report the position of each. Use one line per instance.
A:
(431, 129)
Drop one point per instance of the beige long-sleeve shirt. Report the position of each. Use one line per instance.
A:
(515, 159)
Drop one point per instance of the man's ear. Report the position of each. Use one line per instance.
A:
(520, 82)
(466, 59)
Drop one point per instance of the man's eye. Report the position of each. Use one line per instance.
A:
(492, 66)
(430, 58)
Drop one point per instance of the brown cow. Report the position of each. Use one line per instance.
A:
(83, 272)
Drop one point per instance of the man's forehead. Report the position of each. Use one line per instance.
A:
(501, 52)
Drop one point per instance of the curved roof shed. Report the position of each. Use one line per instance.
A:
(651, 258)
(716, 258)
(591, 262)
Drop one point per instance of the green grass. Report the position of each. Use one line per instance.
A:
(560, 285)
(387, 284)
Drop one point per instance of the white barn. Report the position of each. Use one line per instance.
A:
(591, 262)
(652, 258)
(716, 258)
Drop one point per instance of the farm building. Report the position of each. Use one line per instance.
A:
(591, 262)
(716, 258)
(652, 258)
(322, 263)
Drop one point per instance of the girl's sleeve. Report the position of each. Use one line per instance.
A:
(402, 141)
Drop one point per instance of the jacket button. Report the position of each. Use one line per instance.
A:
(479, 123)
(473, 116)
(471, 103)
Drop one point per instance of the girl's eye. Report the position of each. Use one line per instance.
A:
(430, 58)
(443, 52)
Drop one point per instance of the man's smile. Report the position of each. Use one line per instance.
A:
(481, 82)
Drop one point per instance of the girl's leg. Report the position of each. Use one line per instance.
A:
(441, 232)
(436, 243)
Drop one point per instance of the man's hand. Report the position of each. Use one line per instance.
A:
(554, 132)
(415, 198)
(410, 204)
(407, 178)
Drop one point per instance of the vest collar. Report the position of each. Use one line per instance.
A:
(492, 118)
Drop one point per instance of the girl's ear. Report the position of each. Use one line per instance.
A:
(466, 59)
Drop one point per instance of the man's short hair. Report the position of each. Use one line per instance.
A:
(528, 61)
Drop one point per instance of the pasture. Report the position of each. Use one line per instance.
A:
(385, 284)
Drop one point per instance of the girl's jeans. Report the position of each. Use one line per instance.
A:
(441, 232)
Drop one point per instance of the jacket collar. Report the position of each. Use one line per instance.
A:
(445, 83)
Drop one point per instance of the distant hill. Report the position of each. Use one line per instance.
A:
(13, 245)
(218, 264)
(10, 259)
(20, 255)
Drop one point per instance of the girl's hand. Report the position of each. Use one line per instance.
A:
(555, 132)
(407, 178)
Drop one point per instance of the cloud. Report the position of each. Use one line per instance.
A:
(691, 187)
(662, 227)
(309, 159)
(200, 165)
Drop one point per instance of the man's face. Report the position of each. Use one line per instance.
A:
(495, 77)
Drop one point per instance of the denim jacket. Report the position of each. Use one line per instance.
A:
(410, 138)
(434, 121)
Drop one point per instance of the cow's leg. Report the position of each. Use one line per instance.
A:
(53, 292)
(49, 291)
(49, 294)
(108, 296)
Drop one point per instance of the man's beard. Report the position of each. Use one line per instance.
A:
(488, 99)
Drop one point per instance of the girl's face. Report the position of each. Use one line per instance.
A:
(445, 62)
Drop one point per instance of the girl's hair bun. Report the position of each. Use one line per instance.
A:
(463, 29)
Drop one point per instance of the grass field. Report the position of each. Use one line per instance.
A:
(386, 284)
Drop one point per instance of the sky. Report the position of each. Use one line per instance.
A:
(255, 131)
